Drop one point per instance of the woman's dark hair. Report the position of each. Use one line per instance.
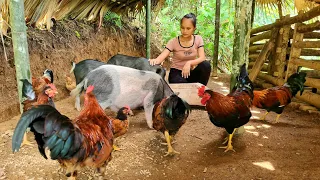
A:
(192, 17)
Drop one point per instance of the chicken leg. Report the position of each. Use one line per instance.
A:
(171, 151)
(229, 146)
(116, 148)
(277, 118)
(263, 118)
(26, 141)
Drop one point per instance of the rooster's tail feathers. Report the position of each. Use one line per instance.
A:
(27, 90)
(175, 110)
(73, 66)
(26, 119)
(243, 81)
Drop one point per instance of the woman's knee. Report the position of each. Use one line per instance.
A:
(205, 66)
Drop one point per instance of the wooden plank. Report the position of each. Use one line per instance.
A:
(301, 17)
(264, 66)
(271, 79)
(312, 64)
(188, 92)
(307, 44)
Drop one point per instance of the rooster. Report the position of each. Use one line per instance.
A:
(45, 97)
(230, 111)
(120, 124)
(275, 99)
(168, 116)
(85, 141)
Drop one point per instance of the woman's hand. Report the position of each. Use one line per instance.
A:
(186, 70)
(153, 62)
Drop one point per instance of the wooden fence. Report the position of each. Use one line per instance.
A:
(277, 51)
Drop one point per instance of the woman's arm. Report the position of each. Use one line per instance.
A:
(165, 53)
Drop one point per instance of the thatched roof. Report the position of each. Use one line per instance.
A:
(40, 12)
(300, 5)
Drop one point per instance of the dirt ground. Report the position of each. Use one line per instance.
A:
(289, 149)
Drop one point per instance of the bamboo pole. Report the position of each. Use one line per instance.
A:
(148, 28)
(309, 27)
(265, 35)
(312, 64)
(277, 38)
(20, 44)
(301, 17)
(307, 44)
(216, 39)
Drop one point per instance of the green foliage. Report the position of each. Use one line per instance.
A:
(113, 19)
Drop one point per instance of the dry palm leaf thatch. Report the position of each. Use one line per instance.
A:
(273, 5)
(40, 12)
(4, 16)
(305, 5)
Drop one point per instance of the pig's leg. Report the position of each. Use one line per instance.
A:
(77, 102)
(148, 108)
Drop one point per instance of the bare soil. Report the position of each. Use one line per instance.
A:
(289, 149)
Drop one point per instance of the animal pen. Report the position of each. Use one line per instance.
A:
(282, 48)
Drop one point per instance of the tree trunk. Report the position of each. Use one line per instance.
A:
(216, 40)
(148, 28)
(242, 27)
(20, 44)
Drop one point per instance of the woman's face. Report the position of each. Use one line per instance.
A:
(187, 29)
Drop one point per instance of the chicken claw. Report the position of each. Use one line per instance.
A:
(263, 118)
(229, 140)
(277, 118)
(116, 148)
(226, 139)
(171, 151)
(26, 141)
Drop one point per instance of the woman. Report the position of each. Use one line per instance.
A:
(188, 61)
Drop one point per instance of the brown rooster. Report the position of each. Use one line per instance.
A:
(120, 124)
(39, 83)
(233, 110)
(85, 141)
(275, 99)
(168, 116)
(45, 97)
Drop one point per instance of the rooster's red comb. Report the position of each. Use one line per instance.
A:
(201, 90)
(127, 107)
(90, 89)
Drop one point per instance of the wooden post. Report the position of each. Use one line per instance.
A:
(281, 52)
(20, 44)
(148, 28)
(272, 57)
(216, 40)
(295, 52)
(242, 27)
